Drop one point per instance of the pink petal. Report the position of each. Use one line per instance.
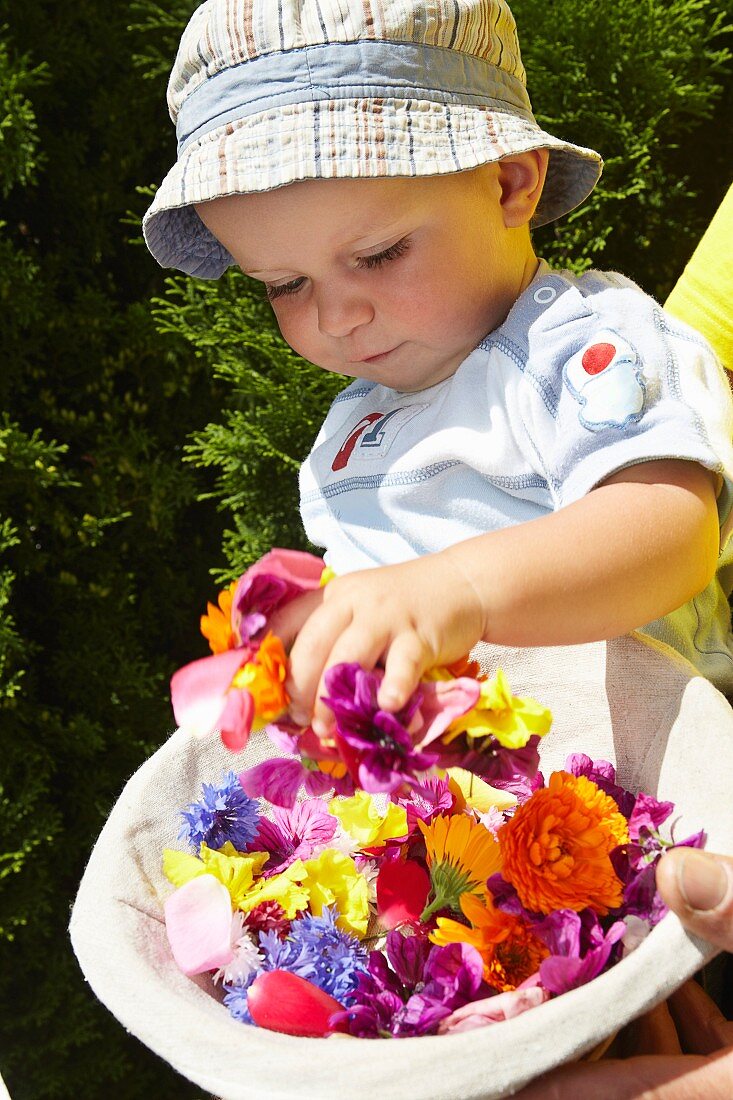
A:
(281, 1001)
(293, 566)
(402, 892)
(199, 690)
(277, 780)
(235, 722)
(493, 1010)
(443, 702)
(198, 921)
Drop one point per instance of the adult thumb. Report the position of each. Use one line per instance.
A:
(698, 887)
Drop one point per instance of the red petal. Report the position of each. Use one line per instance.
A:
(281, 1001)
(402, 892)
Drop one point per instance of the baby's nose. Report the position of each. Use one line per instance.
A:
(342, 311)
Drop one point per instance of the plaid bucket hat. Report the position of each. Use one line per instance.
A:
(267, 92)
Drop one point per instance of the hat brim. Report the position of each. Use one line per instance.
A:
(344, 138)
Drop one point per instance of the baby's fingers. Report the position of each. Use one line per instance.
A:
(354, 645)
(407, 659)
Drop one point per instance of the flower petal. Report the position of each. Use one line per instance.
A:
(278, 780)
(199, 689)
(444, 701)
(281, 1001)
(235, 721)
(402, 892)
(198, 922)
(493, 1010)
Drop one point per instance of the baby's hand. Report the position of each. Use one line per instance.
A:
(407, 617)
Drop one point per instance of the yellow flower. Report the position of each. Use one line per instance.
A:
(361, 819)
(236, 872)
(332, 879)
(288, 889)
(509, 718)
(477, 794)
(216, 626)
(239, 873)
(327, 575)
(461, 854)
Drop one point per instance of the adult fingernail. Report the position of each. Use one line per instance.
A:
(703, 882)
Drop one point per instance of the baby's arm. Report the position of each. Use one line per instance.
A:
(636, 547)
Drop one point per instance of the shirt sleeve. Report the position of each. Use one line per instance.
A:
(630, 384)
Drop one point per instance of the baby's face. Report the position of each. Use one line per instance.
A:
(394, 280)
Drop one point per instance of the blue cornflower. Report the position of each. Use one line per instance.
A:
(321, 953)
(224, 813)
(316, 950)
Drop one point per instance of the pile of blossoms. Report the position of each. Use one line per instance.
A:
(419, 876)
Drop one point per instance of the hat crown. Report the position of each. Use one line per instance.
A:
(225, 33)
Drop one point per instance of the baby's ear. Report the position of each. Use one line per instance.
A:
(522, 178)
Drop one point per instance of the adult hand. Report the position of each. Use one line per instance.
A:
(682, 1050)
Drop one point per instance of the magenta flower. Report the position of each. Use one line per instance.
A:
(423, 986)
(376, 746)
(298, 833)
(271, 582)
(579, 948)
(428, 798)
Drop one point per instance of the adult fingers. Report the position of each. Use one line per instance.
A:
(700, 1024)
(653, 1033)
(658, 1076)
(698, 887)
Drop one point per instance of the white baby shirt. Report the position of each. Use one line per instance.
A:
(587, 375)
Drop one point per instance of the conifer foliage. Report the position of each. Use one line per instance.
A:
(151, 427)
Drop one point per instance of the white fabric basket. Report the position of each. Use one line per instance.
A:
(631, 701)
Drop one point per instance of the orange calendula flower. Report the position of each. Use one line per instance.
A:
(216, 625)
(510, 950)
(555, 850)
(264, 679)
(461, 854)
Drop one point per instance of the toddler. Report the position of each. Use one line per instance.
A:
(525, 456)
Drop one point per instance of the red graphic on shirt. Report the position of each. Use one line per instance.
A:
(347, 447)
(597, 357)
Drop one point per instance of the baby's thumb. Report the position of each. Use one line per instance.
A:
(698, 887)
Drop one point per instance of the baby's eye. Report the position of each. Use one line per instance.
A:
(399, 248)
(282, 289)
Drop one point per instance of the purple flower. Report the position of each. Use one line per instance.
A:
(636, 866)
(295, 834)
(255, 600)
(603, 774)
(429, 797)
(579, 948)
(494, 763)
(648, 814)
(427, 984)
(374, 742)
(280, 779)
(224, 813)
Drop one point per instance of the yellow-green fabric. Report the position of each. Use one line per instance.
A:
(704, 292)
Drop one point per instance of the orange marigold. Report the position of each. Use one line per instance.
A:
(216, 625)
(264, 678)
(510, 950)
(555, 850)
